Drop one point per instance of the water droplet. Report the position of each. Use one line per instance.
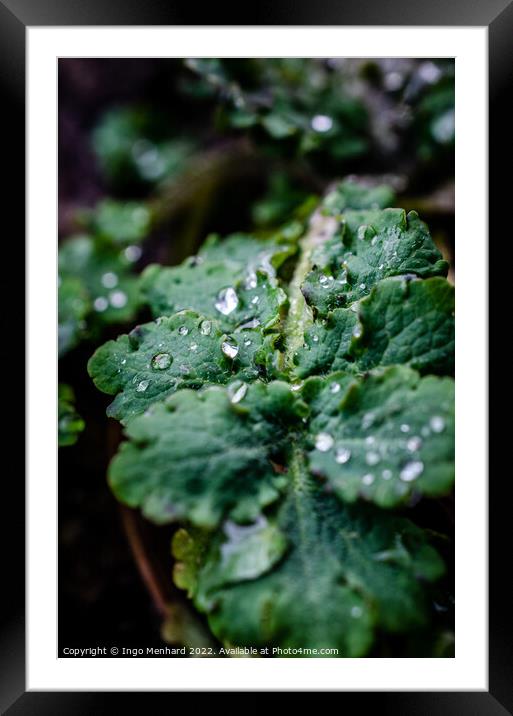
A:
(393, 81)
(227, 301)
(315, 339)
(367, 420)
(362, 286)
(251, 281)
(321, 123)
(118, 299)
(123, 361)
(372, 458)
(193, 347)
(183, 330)
(141, 387)
(205, 328)
(323, 279)
(356, 612)
(255, 300)
(247, 342)
(357, 331)
(368, 479)
(342, 455)
(254, 323)
(429, 72)
(414, 444)
(296, 386)
(370, 440)
(229, 349)
(386, 474)
(362, 231)
(133, 253)
(335, 388)
(161, 361)
(109, 279)
(381, 266)
(101, 304)
(323, 442)
(437, 424)
(405, 428)
(411, 471)
(237, 392)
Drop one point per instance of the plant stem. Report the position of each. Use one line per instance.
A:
(300, 315)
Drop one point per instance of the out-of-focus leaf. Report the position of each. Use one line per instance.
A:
(70, 424)
(319, 575)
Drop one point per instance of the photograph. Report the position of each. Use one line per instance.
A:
(256, 357)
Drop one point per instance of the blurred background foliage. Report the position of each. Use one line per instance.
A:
(156, 154)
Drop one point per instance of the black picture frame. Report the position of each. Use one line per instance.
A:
(497, 15)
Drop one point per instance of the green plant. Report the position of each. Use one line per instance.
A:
(70, 424)
(291, 400)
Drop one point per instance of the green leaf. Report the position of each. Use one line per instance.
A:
(386, 437)
(273, 480)
(74, 305)
(408, 322)
(351, 194)
(105, 273)
(369, 246)
(237, 278)
(317, 575)
(70, 423)
(402, 321)
(134, 147)
(195, 456)
(157, 359)
(291, 106)
(249, 253)
(121, 223)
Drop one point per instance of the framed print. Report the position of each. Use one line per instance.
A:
(256, 352)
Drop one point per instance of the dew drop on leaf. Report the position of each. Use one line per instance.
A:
(109, 279)
(342, 455)
(118, 299)
(141, 387)
(414, 444)
(133, 253)
(437, 424)
(237, 392)
(321, 123)
(183, 330)
(229, 349)
(372, 458)
(205, 328)
(161, 361)
(227, 301)
(101, 304)
(411, 471)
(323, 442)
